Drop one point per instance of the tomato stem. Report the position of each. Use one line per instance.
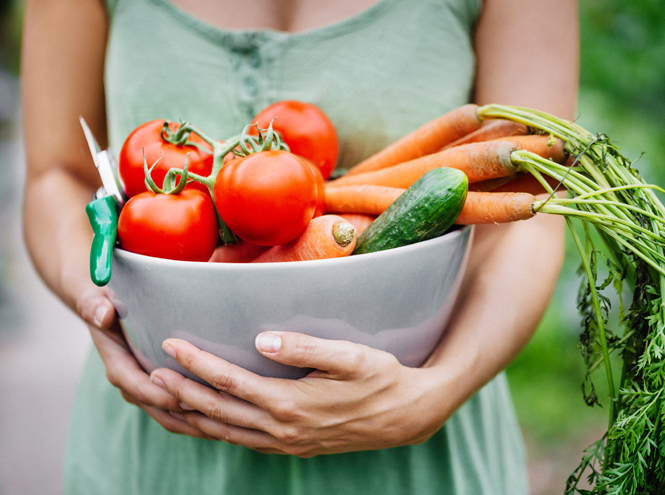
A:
(169, 184)
(173, 172)
(181, 136)
(219, 151)
(242, 145)
(149, 183)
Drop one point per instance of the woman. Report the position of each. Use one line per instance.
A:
(379, 68)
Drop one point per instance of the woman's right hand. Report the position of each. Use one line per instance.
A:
(122, 369)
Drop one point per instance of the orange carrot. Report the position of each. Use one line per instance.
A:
(358, 220)
(328, 236)
(479, 161)
(492, 184)
(243, 252)
(489, 130)
(527, 183)
(426, 139)
(489, 207)
(370, 200)
(519, 182)
(540, 145)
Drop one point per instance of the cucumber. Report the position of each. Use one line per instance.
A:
(424, 211)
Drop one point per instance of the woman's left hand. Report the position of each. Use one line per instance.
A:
(358, 398)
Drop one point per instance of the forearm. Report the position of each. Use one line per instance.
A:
(511, 275)
(62, 55)
(513, 268)
(57, 232)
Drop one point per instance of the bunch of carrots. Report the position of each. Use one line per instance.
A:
(458, 139)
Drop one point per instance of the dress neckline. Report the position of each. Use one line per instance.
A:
(331, 30)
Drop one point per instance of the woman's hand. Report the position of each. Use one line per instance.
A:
(358, 398)
(122, 369)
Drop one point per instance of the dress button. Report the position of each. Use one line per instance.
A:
(242, 42)
(251, 86)
(254, 59)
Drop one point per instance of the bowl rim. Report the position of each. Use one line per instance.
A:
(388, 253)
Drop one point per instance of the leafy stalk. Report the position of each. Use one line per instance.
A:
(607, 192)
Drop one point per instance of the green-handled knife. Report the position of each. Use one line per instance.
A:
(103, 210)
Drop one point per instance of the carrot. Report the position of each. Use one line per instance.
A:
(320, 185)
(243, 252)
(426, 139)
(489, 130)
(492, 184)
(527, 183)
(540, 145)
(489, 207)
(479, 161)
(358, 220)
(370, 200)
(328, 236)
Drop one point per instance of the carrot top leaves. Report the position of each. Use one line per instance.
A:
(608, 195)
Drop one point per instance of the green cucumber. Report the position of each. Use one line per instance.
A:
(424, 211)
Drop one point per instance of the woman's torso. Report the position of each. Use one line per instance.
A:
(378, 74)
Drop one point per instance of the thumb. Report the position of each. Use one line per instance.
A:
(96, 309)
(337, 357)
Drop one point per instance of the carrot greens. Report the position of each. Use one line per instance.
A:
(607, 194)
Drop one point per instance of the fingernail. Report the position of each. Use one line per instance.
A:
(268, 342)
(99, 315)
(187, 407)
(169, 349)
(157, 382)
(177, 415)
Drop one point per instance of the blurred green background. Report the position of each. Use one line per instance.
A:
(622, 94)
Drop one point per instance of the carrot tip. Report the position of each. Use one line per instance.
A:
(344, 233)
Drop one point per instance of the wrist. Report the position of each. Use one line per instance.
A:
(449, 379)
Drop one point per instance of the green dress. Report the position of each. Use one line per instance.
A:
(378, 75)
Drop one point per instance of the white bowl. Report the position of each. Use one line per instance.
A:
(397, 300)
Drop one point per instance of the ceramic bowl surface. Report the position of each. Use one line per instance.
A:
(397, 300)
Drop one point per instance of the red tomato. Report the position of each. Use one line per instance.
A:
(172, 226)
(148, 137)
(306, 129)
(320, 188)
(266, 198)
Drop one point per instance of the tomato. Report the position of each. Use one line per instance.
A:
(320, 188)
(266, 198)
(172, 226)
(306, 129)
(148, 137)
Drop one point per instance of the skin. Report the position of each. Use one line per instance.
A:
(361, 398)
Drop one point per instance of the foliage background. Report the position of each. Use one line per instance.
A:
(622, 93)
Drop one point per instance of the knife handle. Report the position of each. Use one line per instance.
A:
(103, 216)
